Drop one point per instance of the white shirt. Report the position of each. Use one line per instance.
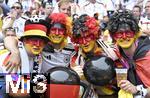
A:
(144, 24)
(128, 5)
(18, 25)
(91, 9)
(56, 58)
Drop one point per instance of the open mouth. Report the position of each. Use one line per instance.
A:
(56, 37)
(125, 40)
(36, 49)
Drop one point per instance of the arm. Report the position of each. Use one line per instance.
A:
(11, 43)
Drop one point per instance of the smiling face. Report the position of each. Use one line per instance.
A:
(34, 46)
(124, 37)
(57, 33)
(65, 8)
(87, 43)
(88, 46)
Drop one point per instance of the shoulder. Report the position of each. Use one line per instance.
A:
(86, 4)
(100, 3)
(48, 48)
(69, 47)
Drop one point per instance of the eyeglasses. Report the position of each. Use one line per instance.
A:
(15, 7)
(57, 31)
(129, 34)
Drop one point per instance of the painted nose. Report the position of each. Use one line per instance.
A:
(57, 32)
(124, 35)
(37, 42)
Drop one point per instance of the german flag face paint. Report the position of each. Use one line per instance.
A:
(34, 46)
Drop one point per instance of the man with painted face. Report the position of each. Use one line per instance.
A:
(30, 46)
(86, 36)
(58, 51)
(31, 43)
(133, 54)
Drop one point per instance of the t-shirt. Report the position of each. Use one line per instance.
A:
(56, 58)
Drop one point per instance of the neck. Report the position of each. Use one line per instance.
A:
(130, 51)
(59, 46)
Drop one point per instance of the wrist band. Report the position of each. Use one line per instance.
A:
(141, 90)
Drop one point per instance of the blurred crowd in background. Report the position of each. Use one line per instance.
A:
(15, 12)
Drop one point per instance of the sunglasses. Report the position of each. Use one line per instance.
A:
(125, 34)
(15, 7)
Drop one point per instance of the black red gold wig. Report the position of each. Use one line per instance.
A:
(122, 17)
(85, 25)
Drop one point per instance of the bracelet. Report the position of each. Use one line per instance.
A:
(141, 90)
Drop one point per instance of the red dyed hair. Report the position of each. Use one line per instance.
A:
(62, 19)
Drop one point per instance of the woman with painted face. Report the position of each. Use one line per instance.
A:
(86, 37)
(133, 54)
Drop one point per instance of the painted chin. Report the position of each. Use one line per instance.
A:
(86, 48)
(56, 39)
(36, 51)
(125, 43)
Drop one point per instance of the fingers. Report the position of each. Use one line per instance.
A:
(16, 69)
(8, 65)
(11, 67)
(127, 86)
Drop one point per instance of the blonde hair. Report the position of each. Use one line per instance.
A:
(61, 2)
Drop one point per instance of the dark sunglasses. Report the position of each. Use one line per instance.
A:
(15, 7)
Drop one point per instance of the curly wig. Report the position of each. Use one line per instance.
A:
(122, 17)
(62, 19)
(85, 25)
